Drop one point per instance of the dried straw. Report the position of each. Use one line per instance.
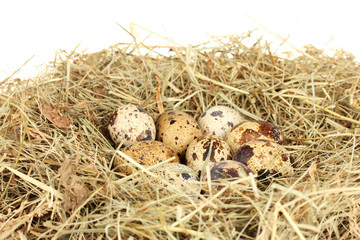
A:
(56, 176)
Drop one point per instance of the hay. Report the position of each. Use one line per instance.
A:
(56, 158)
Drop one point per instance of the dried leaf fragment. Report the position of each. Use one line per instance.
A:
(75, 192)
(158, 96)
(99, 92)
(53, 116)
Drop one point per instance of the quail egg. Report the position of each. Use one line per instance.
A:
(205, 151)
(266, 158)
(183, 178)
(227, 170)
(131, 123)
(219, 120)
(145, 153)
(251, 130)
(177, 129)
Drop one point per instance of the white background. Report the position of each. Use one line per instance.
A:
(39, 28)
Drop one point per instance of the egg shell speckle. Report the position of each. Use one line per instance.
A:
(179, 175)
(131, 123)
(252, 130)
(265, 157)
(146, 153)
(177, 129)
(207, 150)
(227, 170)
(219, 120)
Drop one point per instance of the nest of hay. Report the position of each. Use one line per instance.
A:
(56, 175)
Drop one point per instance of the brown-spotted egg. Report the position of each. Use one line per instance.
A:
(265, 157)
(131, 123)
(228, 170)
(181, 176)
(252, 130)
(147, 153)
(219, 120)
(205, 151)
(177, 129)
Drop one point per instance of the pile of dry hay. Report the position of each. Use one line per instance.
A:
(56, 175)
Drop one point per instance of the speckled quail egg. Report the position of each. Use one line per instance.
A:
(145, 153)
(219, 120)
(177, 129)
(266, 158)
(251, 130)
(183, 178)
(205, 151)
(227, 170)
(131, 123)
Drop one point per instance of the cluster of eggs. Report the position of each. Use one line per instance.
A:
(221, 143)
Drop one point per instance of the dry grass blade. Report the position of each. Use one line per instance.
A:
(63, 114)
